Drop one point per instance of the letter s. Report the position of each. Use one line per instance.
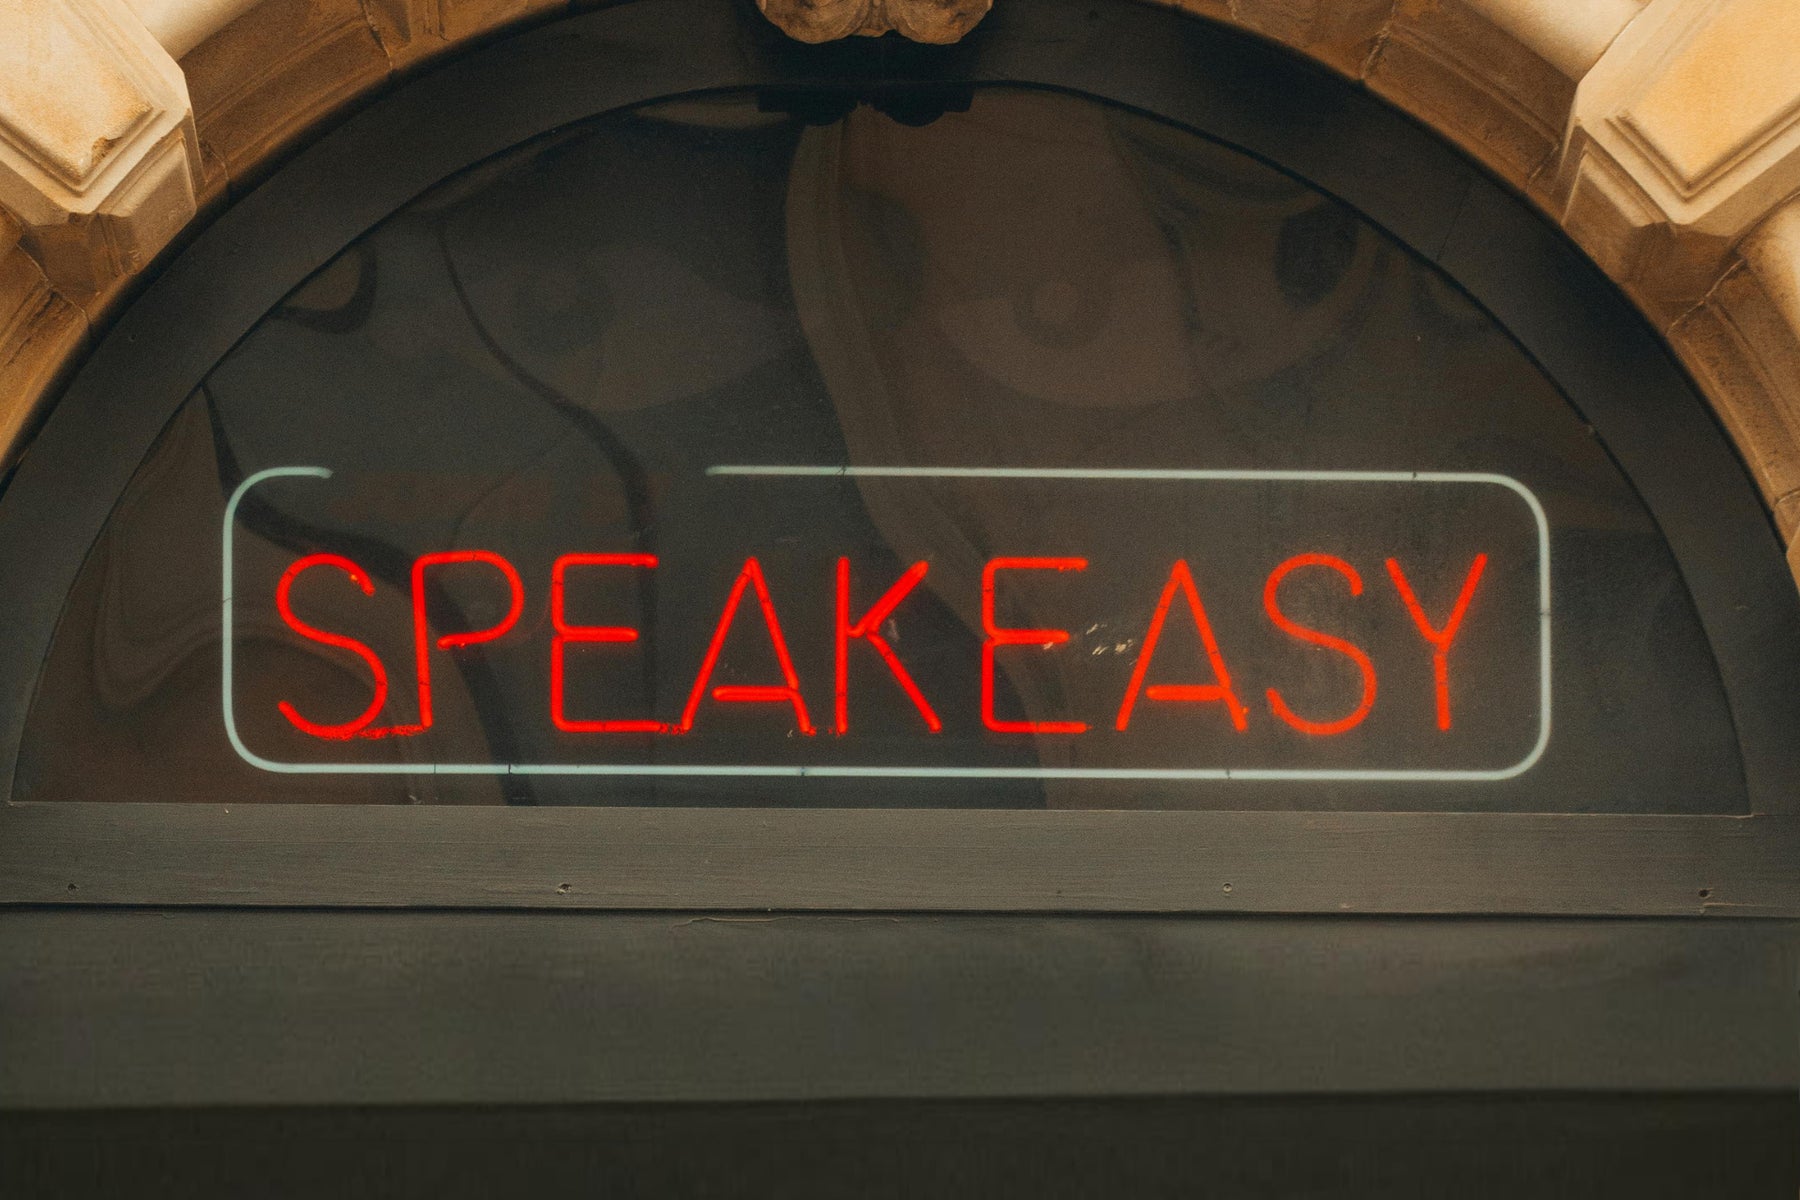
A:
(1313, 637)
(348, 729)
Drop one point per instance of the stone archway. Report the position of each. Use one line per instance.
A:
(1663, 136)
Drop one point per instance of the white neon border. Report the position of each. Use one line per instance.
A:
(855, 772)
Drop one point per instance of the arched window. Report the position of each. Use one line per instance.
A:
(892, 428)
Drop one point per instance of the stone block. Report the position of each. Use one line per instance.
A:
(1743, 346)
(1609, 215)
(180, 25)
(1341, 34)
(97, 150)
(1450, 64)
(1697, 102)
(415, 31)
(275, 74)
(41, 336)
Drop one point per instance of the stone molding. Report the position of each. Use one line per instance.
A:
(97, 140)
(1682, 138)
(180, 25)
(1662, 135)
(935, 21)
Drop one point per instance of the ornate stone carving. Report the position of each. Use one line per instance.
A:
(97, 150)
(936, 21)
(1684, 135)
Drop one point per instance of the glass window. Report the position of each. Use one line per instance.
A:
(744, 450)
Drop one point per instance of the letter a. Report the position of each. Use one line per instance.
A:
(1182, 578)
(750, 576)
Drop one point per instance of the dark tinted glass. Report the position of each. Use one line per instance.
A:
(1036, 454)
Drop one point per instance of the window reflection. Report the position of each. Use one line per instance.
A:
(547, 352)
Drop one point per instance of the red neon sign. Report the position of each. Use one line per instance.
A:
(1294, 629)
(1291, 647)
(566, 633)
(1181, 580)
(788, 692)
(1440, 639)
(867, 628)
(998, 637)
(284, 605)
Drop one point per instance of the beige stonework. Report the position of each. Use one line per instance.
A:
(41, 337)
(109, 147)
(97, 142)
(932, 21)
(1682, 138)
(1743, 342)
(1342, 34)
(180, 25)
(1664, 136)
(412, 31)
(1453, 65)
(284, 67)
(280, 69)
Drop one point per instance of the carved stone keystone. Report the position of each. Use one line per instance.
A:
(936, 21)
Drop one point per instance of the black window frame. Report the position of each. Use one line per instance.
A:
(1236, 89)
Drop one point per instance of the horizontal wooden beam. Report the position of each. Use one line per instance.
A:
(899, 860)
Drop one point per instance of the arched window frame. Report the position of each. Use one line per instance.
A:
(1273, 862)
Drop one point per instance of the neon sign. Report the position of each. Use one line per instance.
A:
(1381, 650)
